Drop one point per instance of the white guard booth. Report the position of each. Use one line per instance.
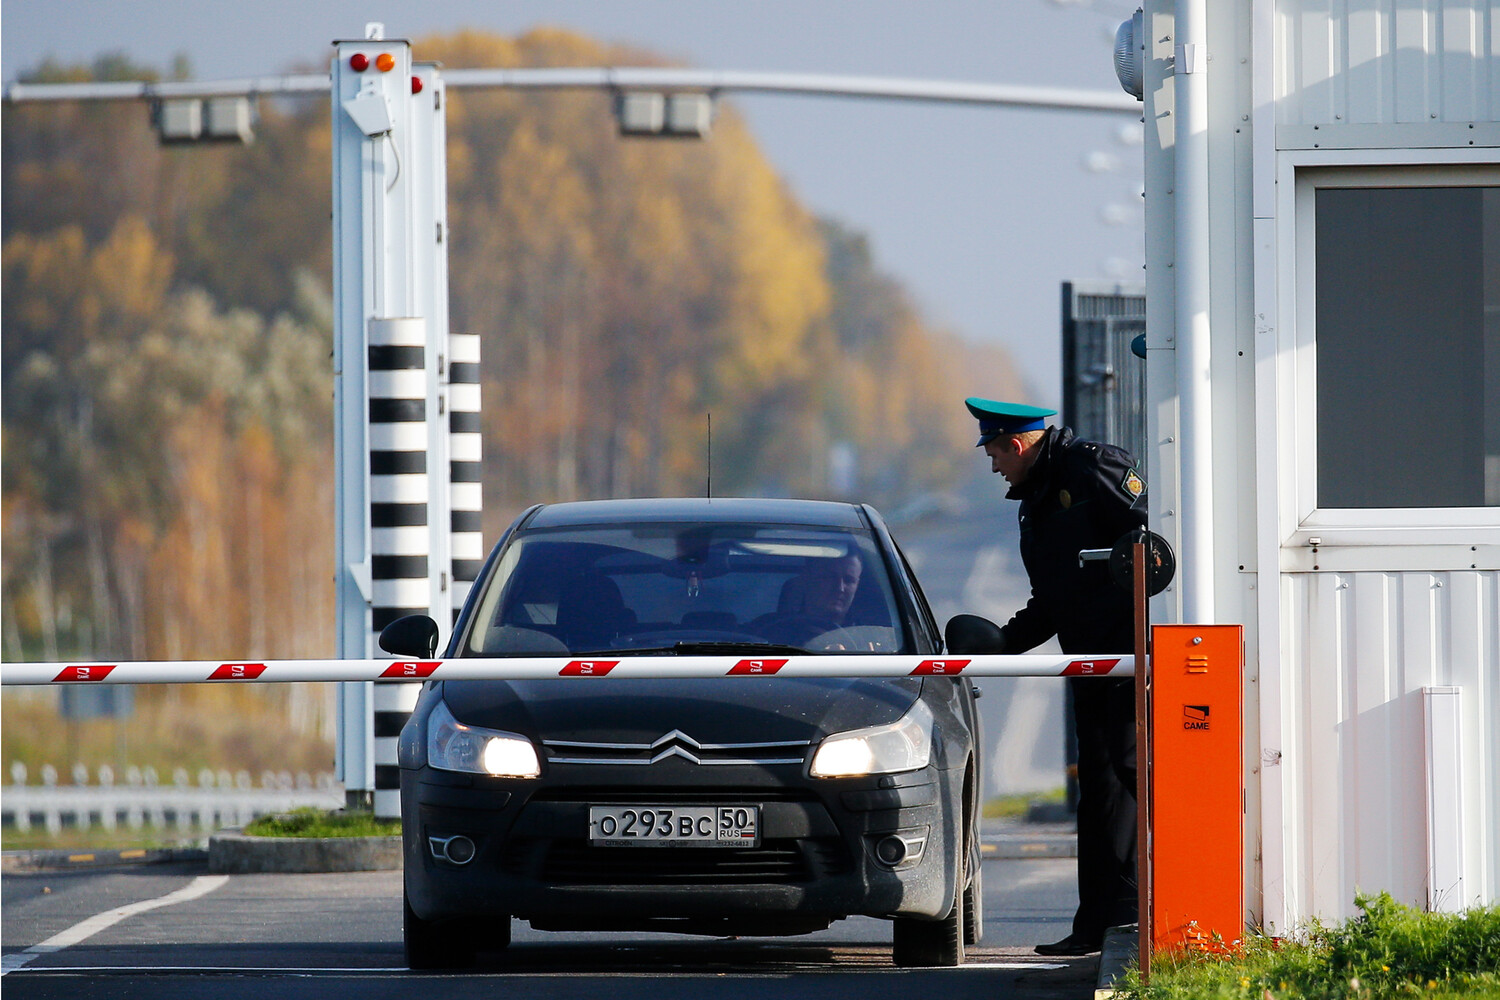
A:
(1323, 289)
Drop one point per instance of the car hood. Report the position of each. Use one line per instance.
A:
(709, 710)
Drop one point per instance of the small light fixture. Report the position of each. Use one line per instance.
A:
(1130, 55)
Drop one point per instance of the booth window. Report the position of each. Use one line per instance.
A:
(1408, 346)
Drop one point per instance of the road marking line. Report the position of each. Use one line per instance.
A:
(1009, 965)
(200, 886)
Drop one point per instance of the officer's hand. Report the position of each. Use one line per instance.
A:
(973, 634)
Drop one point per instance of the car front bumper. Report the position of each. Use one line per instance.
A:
(816, 860)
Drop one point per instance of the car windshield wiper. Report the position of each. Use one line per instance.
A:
(686, 648)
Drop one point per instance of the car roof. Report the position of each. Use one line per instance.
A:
(753, 510)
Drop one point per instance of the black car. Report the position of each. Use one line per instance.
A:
(725, 806)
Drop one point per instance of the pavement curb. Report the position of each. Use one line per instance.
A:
(231, 852)
(1028, 846)
(1117, 954)
(1028, 839)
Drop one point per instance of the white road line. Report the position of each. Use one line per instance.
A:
(200, 886)
(1010, 965)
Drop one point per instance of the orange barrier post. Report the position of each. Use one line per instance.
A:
(1197, 788)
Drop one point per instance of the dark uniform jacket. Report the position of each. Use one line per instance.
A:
(1078, 495)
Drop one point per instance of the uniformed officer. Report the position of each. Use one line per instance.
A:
(1077, 495)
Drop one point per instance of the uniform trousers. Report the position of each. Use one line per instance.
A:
(1104, 714)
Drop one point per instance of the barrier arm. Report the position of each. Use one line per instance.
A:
(542, 667)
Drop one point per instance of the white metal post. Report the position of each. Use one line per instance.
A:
(426, 553)
(429, 248)
(1194, 375)
(373, 277)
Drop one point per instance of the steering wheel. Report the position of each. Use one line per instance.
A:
(799, 630)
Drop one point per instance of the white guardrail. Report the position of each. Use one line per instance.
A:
(547, 667)
(218, 799)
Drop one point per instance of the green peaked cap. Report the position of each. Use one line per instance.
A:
(996, 418)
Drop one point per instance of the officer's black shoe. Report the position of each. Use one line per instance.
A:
(1070, 945)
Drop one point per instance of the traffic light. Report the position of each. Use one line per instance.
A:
(197, 119)
(675, 114)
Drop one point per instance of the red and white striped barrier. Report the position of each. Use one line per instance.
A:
(547, 667)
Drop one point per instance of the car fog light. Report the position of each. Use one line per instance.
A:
(460, 850)
(901, 849)
(891, 851)
(457, 849)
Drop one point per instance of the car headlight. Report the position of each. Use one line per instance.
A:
(454, 746)
(904, 745)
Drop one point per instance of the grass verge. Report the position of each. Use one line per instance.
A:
(100, 839)
(1387, 951)
(309, 822)
(1017, 806)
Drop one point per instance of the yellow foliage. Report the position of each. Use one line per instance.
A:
(624, 290)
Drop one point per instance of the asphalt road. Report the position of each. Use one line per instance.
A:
(172, 931)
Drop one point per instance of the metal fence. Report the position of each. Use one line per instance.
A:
(215, 799)
(1104, 384)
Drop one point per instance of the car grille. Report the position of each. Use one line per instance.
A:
(576, 862)
(676, 744)
(670, 794)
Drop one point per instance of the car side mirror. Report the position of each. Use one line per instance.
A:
(413, 635)
(973, 634)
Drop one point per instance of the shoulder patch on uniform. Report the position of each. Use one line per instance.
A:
(1133, 484)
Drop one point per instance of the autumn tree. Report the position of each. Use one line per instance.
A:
(166, 333)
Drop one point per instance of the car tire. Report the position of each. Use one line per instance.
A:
(928, 943)
(974, 906)
(430, 944)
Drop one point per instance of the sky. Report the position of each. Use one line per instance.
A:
(981, 213)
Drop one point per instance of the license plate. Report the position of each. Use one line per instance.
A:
(664, 826)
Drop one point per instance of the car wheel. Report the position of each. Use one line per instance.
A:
(974, 906)
(933, 942)
(433, 945)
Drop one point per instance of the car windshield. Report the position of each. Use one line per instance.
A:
(686, 588)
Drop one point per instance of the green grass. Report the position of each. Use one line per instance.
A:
(1388, 951)
(310, 822)
(99, 839)
(1016, 806)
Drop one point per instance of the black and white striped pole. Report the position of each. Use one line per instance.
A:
(465, 464)
(399, 521)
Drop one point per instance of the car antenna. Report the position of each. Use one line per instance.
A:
(708, 486)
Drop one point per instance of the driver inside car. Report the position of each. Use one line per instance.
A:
(815, 602)
(828, 588)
